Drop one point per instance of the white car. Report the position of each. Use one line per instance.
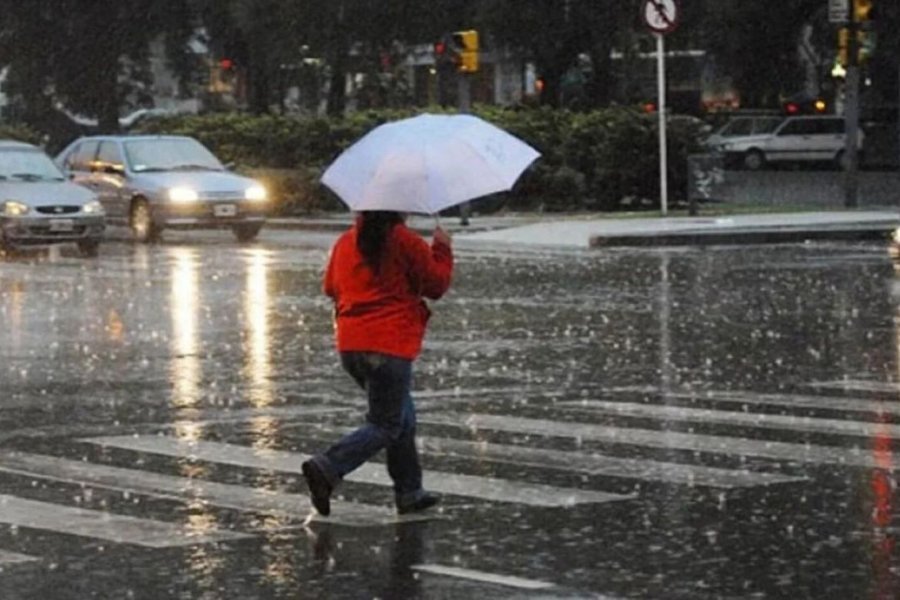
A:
(743, 126)
(40, 207)
(796, 139)
(157, 182)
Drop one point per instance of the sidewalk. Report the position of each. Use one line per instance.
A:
(584, 231)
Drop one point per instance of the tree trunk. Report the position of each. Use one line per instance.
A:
(337, 95)
(108, 110)
(259, 89)
(601, 82)
(551, 72)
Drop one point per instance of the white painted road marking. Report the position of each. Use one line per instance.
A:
(740, 419)
(11, 558)
(590, 463)
(485, 488)
(483, 577)
(223, 495)
(861, 385)
(891, 407)
(106, 526)
(670, 440)
(611, 466)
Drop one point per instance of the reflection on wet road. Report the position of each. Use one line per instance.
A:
(678, 423)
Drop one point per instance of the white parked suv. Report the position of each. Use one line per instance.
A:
(796, 139)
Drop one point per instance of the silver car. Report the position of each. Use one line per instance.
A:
(152, 183)
(39, 207)
(743, 126)
(796, 139)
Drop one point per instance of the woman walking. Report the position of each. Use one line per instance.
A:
(378, 275)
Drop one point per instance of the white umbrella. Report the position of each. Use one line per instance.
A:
(427, 163)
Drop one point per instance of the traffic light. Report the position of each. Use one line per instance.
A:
(440, 51)
(865, 46)
(862, 10)
(465, 45)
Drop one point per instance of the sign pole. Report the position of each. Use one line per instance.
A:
(851, 116)
(464, 88)
(663, 158)
(661, 17)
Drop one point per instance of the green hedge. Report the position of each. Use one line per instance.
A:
(601, 160)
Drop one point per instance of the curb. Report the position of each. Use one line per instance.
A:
(340, 226)
(763, 236)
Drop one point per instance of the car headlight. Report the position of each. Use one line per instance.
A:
(256, 193)
(93, 208)
(11, 208)
(182, 194)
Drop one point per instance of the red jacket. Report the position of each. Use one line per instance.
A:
(386, 313)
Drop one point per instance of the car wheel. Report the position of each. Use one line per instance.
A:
(142, 225)
(754, 160)
(89, 248)
(246, 232)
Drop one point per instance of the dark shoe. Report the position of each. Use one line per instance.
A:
(426, 500)
(319, 488)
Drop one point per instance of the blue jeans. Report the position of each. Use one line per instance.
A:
(390, 424)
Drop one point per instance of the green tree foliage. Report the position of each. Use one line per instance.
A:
(554, 33)
(90, 56)
(265, 41)
(278, 43)
(756, 43)
(884, 62)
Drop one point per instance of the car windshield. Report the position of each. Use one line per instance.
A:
(166, 154)
(23, 164)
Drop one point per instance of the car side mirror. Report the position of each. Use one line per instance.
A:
(114, 169)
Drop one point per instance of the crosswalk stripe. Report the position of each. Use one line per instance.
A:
(484, 577)
(9, 558)
(183, 488)
(194, 418)
(485, 488)
(105, 526)
(610, 466)
(469, 392)
(670, 440)
(860, 385)
(789, 400)
(212, 417)
(742, 419)
(592, 464)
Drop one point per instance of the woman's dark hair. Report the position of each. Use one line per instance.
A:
(373, 231)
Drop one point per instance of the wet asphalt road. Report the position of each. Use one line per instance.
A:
(673, 423)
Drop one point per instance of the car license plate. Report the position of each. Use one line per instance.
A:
(62, 225)
(225, 210)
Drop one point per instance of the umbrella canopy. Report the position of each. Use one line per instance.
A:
(427, 163)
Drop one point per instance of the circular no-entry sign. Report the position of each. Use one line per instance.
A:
(661, 16)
